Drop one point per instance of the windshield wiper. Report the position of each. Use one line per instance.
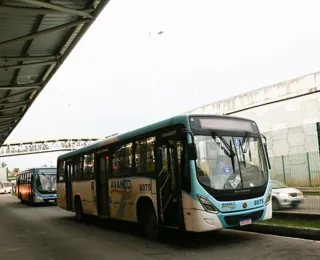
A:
(230, 153)
(245, 141)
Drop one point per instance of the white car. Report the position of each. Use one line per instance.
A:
(284, 196)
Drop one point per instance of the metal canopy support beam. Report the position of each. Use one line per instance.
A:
(21, 86)
(4, 130)
(8, 122)
(24, 102)
(28, 58)
(35, 64)
(57, 8)
(44, 32)
(11, 108)
(5, 126)
(17, 94)
(15, 116)
(29, 11)
(25, 10)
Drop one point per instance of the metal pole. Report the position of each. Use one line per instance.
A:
(57, 8)
(284, 170)
(309, 171)
(44, 32)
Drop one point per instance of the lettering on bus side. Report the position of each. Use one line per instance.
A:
(145, 187)
(121, 185)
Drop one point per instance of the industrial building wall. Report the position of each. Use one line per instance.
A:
(287, 114)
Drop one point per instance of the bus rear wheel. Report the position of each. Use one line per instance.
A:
(78, 208)
(149, 222)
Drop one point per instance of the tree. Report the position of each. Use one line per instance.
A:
(3, 164)
(16, 170)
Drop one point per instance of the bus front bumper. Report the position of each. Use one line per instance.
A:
(203, 221)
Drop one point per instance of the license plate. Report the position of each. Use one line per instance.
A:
(51, 200)
(245, 222)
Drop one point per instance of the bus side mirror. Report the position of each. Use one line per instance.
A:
(266, 149)
(192, 151)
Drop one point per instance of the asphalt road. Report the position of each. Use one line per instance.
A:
(51, 233)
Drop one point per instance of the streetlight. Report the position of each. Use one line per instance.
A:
(152, 84)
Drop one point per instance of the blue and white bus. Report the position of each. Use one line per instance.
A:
(193, 172)
(37, 185)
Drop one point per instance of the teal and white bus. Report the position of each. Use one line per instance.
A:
(37, 185)
(192, 172)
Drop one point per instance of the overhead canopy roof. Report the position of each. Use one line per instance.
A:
(35, 38)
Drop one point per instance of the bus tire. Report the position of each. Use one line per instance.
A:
(148, 220)
(78, 209)
(20, 197)
(30, 199)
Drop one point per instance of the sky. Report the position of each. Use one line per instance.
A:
(123, 74)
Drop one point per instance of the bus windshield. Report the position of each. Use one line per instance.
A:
(45, 183)
(230, 162)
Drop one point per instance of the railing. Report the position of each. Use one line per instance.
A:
(44, 146)
(302, 172)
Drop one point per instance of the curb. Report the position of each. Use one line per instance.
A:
(290, 215)
(305, 233)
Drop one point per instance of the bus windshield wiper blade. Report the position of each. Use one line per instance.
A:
(230, 151)
(245, 141)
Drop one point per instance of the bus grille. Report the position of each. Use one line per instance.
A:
(234, 220)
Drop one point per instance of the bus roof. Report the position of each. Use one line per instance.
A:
(130, 134)
(140, 131)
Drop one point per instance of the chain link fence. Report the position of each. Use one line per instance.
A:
(295, 163)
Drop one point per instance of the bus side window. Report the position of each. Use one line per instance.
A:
(61, 170)
(78, 174)
(144, 155)
(122, 160)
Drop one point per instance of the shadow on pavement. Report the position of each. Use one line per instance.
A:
(19, 205)
(169, 237)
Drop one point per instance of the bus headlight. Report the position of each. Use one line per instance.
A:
(269, 196)
(207, 205)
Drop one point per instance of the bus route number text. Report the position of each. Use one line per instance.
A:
(258, 202)
(145, 187)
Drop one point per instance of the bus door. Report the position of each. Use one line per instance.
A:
(68, 178)
(32, 185)
(18, 187)
(102, 185)
(169, 183)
